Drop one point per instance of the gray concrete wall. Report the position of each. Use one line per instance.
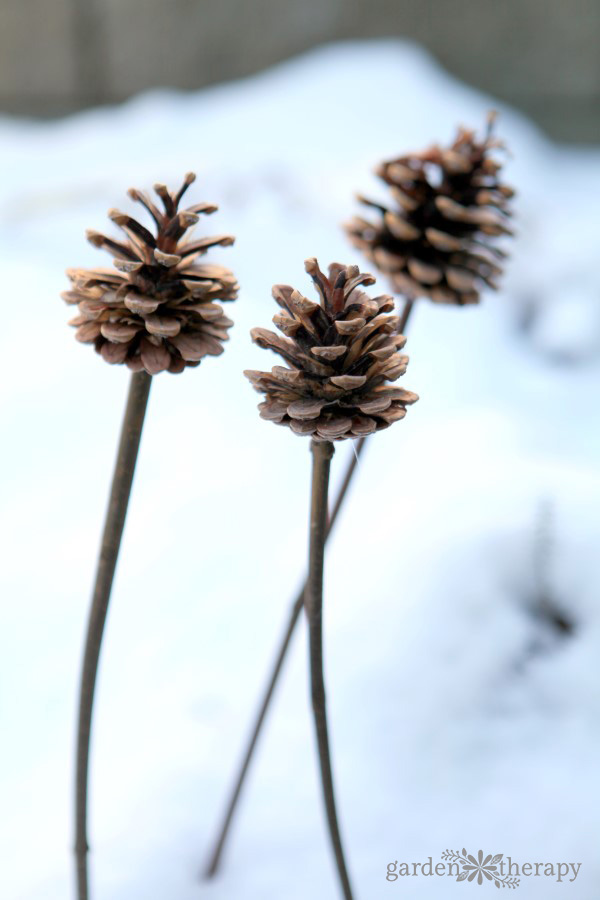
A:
(58, 55)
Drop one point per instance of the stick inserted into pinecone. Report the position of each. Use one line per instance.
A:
(155, 311)
(436, 238)
(342, 355)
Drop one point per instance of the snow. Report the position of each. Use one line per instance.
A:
(459, 716)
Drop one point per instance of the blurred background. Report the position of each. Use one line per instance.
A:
(61, 55)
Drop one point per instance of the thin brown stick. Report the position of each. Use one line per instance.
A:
(216, 854)
(131, 431)
(405, 315)
(215, 857)
(313, 603)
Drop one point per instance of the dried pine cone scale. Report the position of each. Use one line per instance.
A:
(436, 240)
(341, 355)
(156, 309)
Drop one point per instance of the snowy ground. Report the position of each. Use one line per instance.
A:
(459, 717)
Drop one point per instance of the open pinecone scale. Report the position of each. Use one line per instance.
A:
(437, 238)
(156, 309)
(341, 355)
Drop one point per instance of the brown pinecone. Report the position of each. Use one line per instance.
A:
(156, 311)
(437, 239)
(340, 354)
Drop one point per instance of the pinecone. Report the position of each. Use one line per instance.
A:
(340, 354)
(156, 311)
(438, 241)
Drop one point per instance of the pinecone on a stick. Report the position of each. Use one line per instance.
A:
(436, 238)
(341, 355)
(156, 309)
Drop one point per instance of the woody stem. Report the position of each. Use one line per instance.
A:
(131, 432)
(322, 452)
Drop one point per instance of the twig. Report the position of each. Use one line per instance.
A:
(217, 852)
(131, 431)
(405, 315)
(313, 602)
